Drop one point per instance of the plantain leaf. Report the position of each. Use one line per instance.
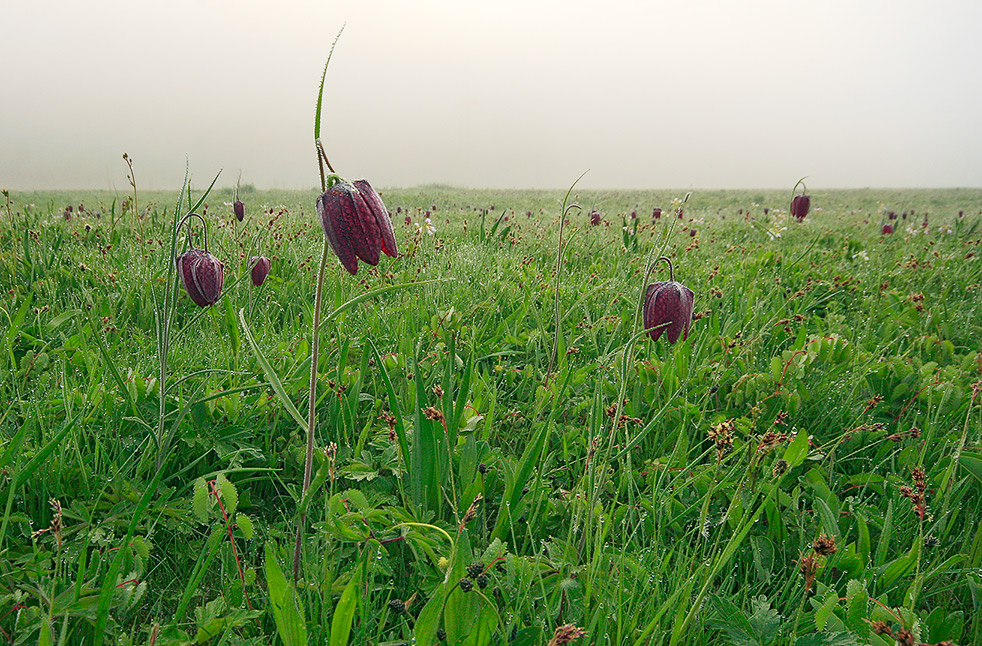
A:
(287, 612)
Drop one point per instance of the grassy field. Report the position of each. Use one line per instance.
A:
(804, 469)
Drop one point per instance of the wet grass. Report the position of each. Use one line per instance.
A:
(646, 493)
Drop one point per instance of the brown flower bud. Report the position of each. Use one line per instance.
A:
(202, 275)
(260, 269)
(238, 208)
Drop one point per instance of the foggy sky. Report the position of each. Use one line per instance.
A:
(701, 94)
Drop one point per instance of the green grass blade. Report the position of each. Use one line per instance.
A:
(287, 611)
(271, 376)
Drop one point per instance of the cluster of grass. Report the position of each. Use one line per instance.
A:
(804, 469)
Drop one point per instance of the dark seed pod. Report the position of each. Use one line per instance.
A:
(356, 223)
(800, 205)
(668, 308)
(260, 269)
(202, 275)
(238, 208)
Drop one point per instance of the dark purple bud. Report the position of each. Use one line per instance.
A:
(668, 308)
(692, 233)
(356, 223)
(800, 206)
(260, 269)
(238, 208)
(656, 213)
(887, 229)
(409, 220)
(891, 215)
(766, 210)
(595, 218)
(202, 275)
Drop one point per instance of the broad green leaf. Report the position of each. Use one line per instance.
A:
(230, 496)
(344, 612)
(798, 449)
(828, 639)
(731, 620)
(972, 464)
(244, 523)
(199, 500)
(826, 609)
(287, 611)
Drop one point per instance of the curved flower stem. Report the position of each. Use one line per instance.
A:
(671, 268)
(566, 208)
(321, 161)
(311, 405)
(204, 226)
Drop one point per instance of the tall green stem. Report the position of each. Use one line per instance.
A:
(311, 405)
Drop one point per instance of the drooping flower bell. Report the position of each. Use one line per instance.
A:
(668, 308)
(800, 204)
(260, 269)
(886, 229)
(356, 223)
(238, 208)
(201, 273)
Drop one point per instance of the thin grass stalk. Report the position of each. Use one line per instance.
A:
(559, 263)
(311, 405)
(163, 317)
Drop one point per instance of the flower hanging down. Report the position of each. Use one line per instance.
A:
(202, 274)
(356, 223)
(800, 205)
(260, 269)
(668, 308)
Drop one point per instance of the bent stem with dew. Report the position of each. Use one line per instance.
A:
(564, 211)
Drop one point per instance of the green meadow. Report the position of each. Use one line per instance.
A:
(501, 454)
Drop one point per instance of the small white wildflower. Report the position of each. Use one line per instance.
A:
(861, 256)
(426, 227)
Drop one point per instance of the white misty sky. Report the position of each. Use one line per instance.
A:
(646, 94)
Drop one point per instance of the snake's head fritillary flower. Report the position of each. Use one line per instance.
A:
(260, 269)
(356, 223)
(800, 205)
(202, 274)
(668, 309)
